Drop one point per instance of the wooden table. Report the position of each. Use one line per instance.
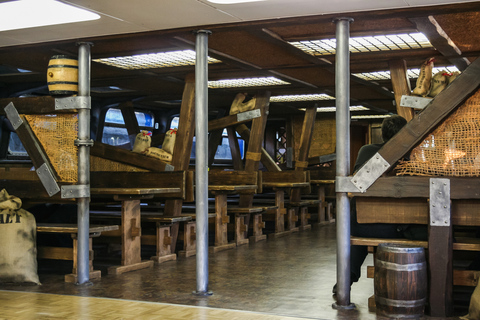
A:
(130, 227)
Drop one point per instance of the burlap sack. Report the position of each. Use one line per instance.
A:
(424, 79)
(18, 231)
(169, 141)
(142, 142)
(238, 105)
(474, 308)
(454, 75)
(159, 154)
(439, 83)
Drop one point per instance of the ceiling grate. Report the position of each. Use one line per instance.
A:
(246, 82)
(301, 97)
(154, 60)
(365, 44)
(411, 73)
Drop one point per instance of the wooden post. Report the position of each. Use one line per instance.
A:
(183, 147)
(401, 86)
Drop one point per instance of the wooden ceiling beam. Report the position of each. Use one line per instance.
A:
(441, 41)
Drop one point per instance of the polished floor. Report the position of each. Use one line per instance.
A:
(281, 278)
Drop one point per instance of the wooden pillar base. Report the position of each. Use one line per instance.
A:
(93, 275)
(258, 238)
(215, 249)
(160, 259)
(131, 267)
(187, 253)
(279, 234)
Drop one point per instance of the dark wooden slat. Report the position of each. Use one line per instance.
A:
(440, 250)
(414, 187)
(33, 105)
(234, 149)
(130, 119)
(266, 159)
(443, 104)
(227, 121)
(124, 156)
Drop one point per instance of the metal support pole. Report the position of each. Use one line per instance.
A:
(83, 208)
(201, 159)
(342, 97)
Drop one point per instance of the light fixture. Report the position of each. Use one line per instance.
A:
(371, 116)
(411, 73)
(301, 97)
(333, 109)
(365, 44)
(246, 82)
(24, 14)
(154, 60)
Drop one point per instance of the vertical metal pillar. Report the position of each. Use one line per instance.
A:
(201, 159)
(342, 97)
(83, 142)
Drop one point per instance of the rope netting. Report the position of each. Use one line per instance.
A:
(57, 134)
(452, 149)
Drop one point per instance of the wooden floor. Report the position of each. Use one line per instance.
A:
(26, 305)
(282, 278)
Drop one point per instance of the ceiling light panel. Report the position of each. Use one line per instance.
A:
(411, 73)
(371, 116)
(246, 82)
(333, 109)
(365, 44)
(301, 97)
(154, 60)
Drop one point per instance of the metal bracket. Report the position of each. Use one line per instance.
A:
(47, 179)
(414, 102)
(13, 116)
(247, 115)
(289, 157)
(81, 143)
(440, 214)
(71, 103)
(169, 167)
(76, 191)
(344, 184)
(370, 172)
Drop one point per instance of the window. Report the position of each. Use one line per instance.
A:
(15, 147)
(223, 150)
(114, 131)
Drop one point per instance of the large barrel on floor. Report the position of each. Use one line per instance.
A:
(62, 75)
(400, 281)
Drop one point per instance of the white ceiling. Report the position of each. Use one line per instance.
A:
(130, 16)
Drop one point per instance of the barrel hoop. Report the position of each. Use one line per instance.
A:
(62, 66)
(401, 303)
(62, 82)
(400, 267)
(388, 247)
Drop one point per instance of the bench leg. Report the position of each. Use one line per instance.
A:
(280, 216)
(292, 218)
(164, 241)
(257, 227)
(221, 225)
(93, 274)
(240, 229)
(189, 239)
(304, 215)
(131, 234)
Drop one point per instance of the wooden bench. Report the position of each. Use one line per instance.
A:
(63, 253)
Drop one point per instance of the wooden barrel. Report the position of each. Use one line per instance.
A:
(62, 75)
(400, 281)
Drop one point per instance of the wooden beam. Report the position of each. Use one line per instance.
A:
(183, 148)
(415, 187)
(440, 40)
(401, 86)
(33, 105)
(234, 149)
(131, 122)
